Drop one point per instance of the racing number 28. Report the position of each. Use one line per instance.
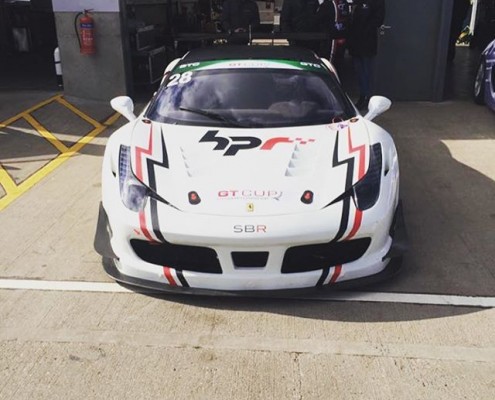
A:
(180, 78)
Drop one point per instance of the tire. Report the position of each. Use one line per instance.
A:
(479, 83)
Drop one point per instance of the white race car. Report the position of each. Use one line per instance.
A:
(250, 171)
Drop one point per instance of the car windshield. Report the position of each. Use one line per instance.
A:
(250, 97)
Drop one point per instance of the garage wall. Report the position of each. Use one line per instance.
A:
(100, 76)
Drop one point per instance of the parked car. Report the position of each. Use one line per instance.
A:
(484, 83)
(250, 170)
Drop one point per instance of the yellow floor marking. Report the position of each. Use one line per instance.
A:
(28, 111)
(12, 190)
(78, 112)
(112, 119)
(44, 132)
(7, 182)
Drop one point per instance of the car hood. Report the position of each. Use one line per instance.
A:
(264, 171)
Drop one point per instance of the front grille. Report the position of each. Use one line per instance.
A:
(187, 258)
(250, 259)
(318, 256)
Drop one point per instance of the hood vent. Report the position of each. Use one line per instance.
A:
(302, 162)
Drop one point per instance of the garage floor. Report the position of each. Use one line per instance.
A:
(91, 341)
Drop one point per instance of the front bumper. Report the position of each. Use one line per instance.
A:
(380, 265)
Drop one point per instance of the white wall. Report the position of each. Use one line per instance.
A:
(80, 5)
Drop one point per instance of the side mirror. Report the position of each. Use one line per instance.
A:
(377, 105)
(125, 106)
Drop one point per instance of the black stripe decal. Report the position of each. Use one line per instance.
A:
(348, 183)
(323, 276)
(152, 184)
(154, 220)
(182, 280)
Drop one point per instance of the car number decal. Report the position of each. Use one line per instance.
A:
(178, 79)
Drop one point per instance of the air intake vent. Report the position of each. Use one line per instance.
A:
(187, 258)
(318, 256)
(250, 259)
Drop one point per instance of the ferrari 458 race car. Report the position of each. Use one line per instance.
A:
(484, 83)
(249, 171)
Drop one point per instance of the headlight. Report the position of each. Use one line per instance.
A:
(365, 192)
(132, 192)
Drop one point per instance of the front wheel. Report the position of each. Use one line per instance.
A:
(479, 83)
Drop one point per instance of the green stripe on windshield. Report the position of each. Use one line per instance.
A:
(295, 64)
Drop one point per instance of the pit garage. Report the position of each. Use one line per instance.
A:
(68, 330)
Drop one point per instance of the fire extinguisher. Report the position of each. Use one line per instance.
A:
(86, 32)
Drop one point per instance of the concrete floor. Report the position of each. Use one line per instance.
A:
(61, 344)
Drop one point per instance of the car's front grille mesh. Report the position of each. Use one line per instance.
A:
(181, 257)
(318, 256)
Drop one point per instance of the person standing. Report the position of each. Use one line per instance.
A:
(239, 16)
(326, 19)
(342, 19)
(367, 16)
(299, 16)
(459, 12)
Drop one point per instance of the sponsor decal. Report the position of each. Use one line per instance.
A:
(310, 65)
(337, 126)
(233, 144)
(257, 64)
(248, 64)
(249, 194)
(190, 65)
(250, 228)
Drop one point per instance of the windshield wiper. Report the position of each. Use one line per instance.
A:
(212, 115)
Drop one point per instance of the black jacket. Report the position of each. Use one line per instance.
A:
(367, 17)
(240, 14)
(299, 16)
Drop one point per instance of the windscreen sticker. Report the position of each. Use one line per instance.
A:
(255, 64)
(179, 79)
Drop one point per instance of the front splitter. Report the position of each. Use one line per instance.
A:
(392, 268)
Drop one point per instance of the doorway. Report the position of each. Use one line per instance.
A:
(27, 43)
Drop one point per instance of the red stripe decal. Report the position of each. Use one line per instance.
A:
(140, 151)
(362, 153)
(357, 224)
(358, 217)
(139, 174)
(168, 275)
(142, 224)
(336, 274)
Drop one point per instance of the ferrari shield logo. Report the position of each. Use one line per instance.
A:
(250, 207)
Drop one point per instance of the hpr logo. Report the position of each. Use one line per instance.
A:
(232, 144)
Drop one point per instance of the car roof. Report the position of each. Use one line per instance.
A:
(231, 52)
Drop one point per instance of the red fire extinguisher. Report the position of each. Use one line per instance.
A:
(86, 32)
